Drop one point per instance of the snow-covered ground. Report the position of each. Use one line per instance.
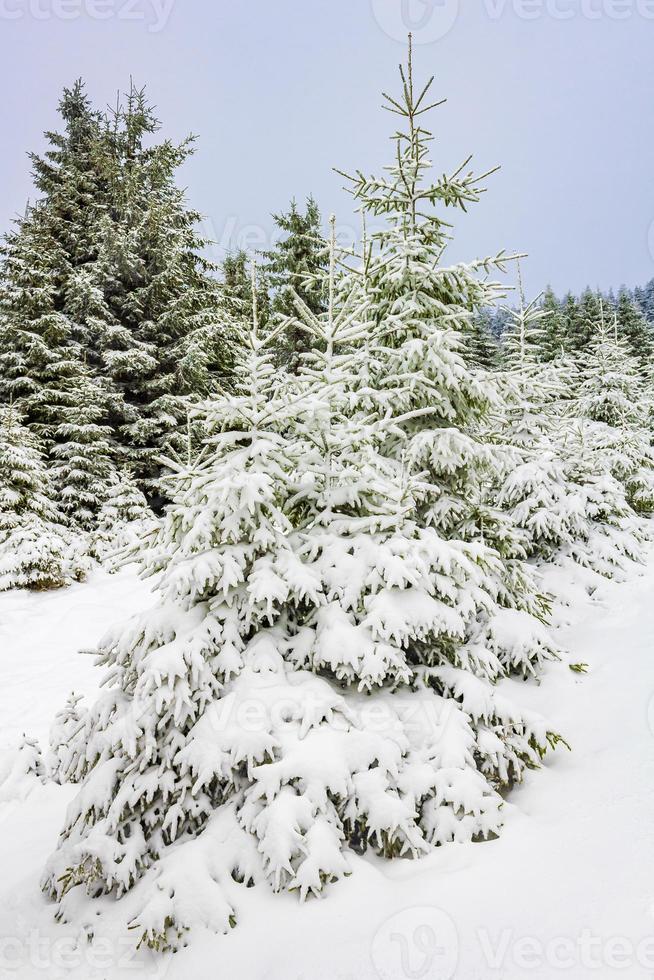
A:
(568, 890)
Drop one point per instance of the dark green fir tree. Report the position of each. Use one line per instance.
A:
(633, 327)
(297, 265)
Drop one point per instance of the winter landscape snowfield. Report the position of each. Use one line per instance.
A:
(566, 890)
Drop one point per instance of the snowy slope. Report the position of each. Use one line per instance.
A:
(567, 890)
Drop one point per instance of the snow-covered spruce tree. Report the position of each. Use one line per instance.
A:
(36, 346)
(612, 394)
(169, 330)
(481, 346)
(21, 769)
(123, 518)
(382, 419)
(285, 699)
(36, 549)
(522, 340)
(560, 490)
(537, 492)
(643, 297)
(553, 341)
(237, 282)
(296, 265)
(209, 645)
(614, 536)
(611, 389)
(106, 270)
(43, 371)
(82, 453)
(68, 729)
(582, 315)
(633, 327)
(423, 308)
(43, 323)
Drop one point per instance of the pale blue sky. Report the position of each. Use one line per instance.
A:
(559, 92)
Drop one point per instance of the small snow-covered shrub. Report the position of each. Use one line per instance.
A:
(123, 518)
(21, 769)
(68, 732)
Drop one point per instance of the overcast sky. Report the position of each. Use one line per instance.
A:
(559, 92)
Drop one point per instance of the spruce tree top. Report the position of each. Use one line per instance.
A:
(416, 234)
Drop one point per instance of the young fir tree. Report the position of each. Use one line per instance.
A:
(481, 347)
(296, 267)
(523, 338)
(36, 550)
(68, 727)
(21, 769)
(541, 499)
(611, 385)
(223, 551)
(584, 317)
(614, 536)
(644, 299)
(123, 518)
(633, 328)
(554, 340)
(560, 490)
(612, 395)
(426, 307)
(238, 288)
(570, 318)
(295, 576)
